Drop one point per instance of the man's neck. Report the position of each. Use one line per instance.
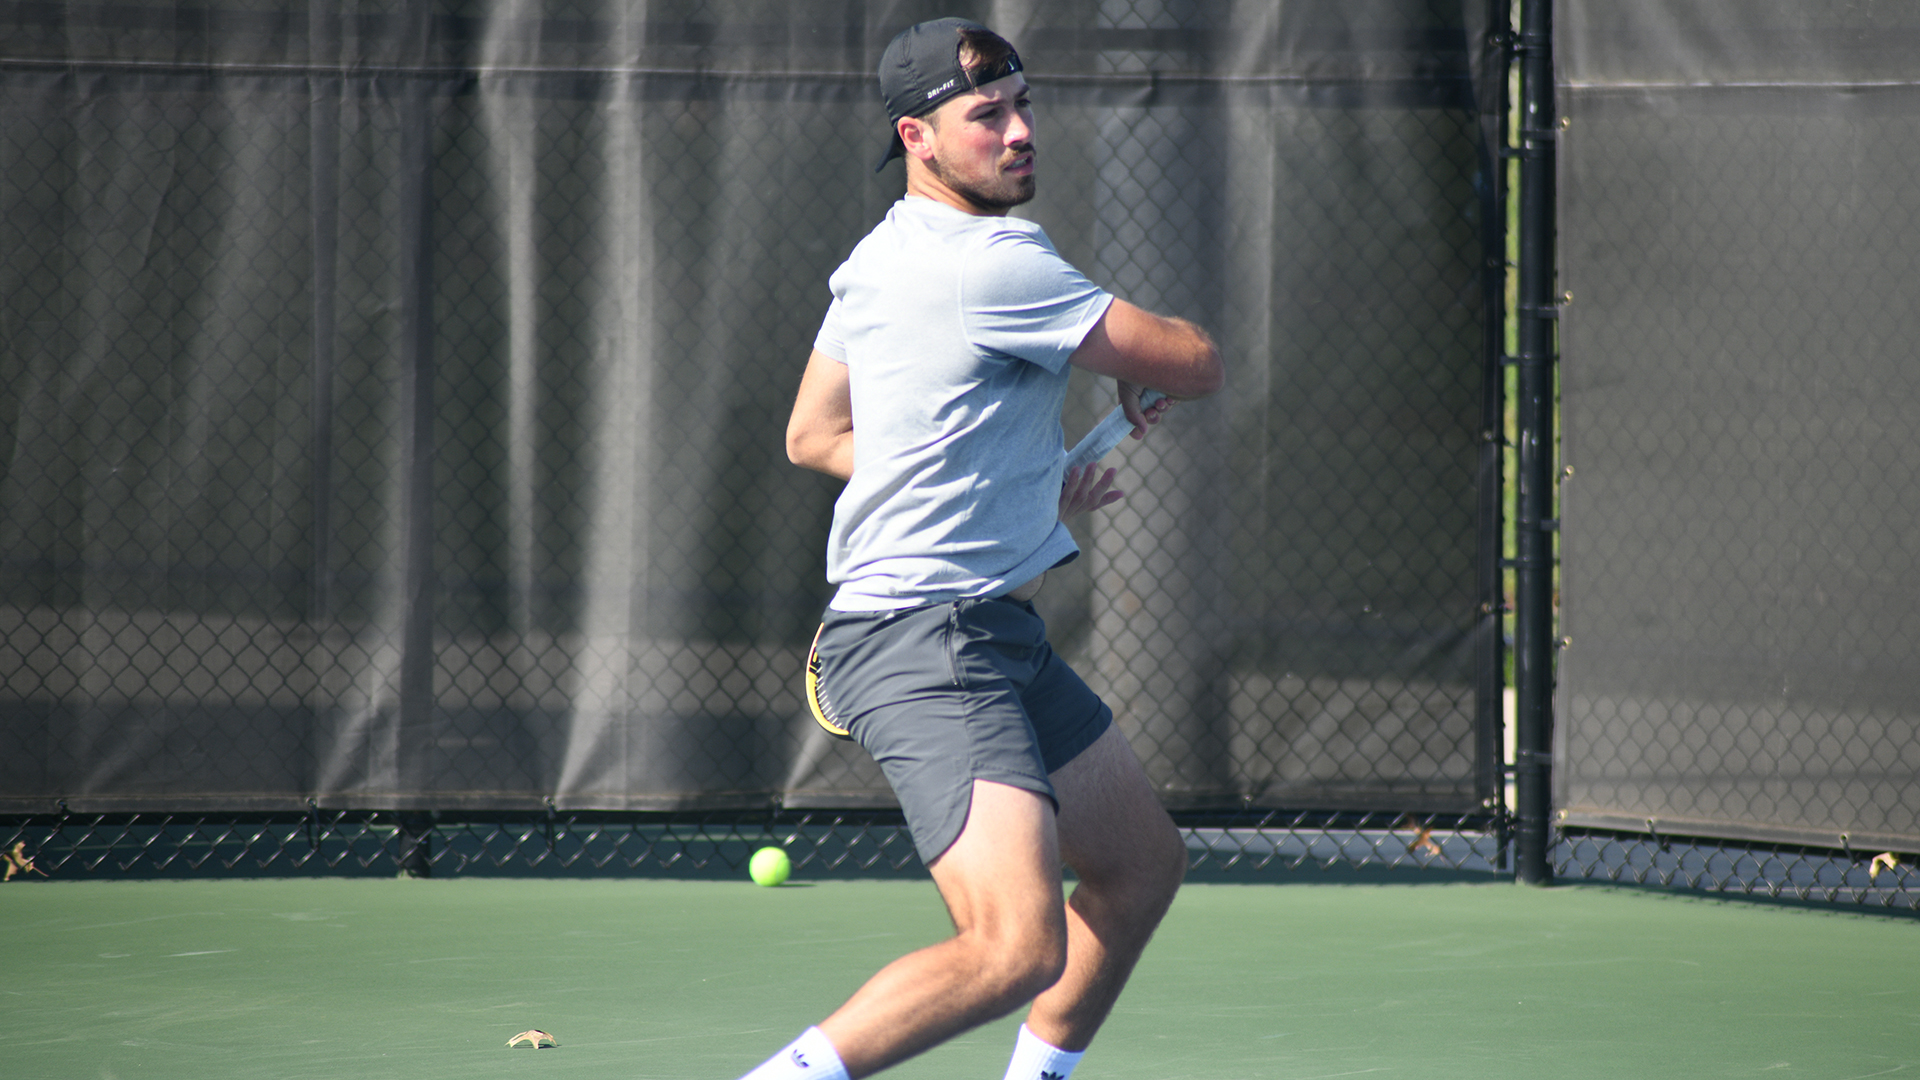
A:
(921, 182)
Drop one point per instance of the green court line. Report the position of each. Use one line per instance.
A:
(699, 980)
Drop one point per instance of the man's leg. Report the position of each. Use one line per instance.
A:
(1001, 884)
(1130, 859)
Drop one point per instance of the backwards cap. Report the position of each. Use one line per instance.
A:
(921, 68)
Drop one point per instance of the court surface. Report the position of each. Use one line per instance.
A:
(699, 980)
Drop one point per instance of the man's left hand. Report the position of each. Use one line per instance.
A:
(1087, 488)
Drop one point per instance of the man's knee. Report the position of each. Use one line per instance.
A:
(1022, 960)
(1036, 971)
(1135, 890)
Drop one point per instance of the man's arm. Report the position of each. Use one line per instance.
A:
(1142, 350)
(820, 431)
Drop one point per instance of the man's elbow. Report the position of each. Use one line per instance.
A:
(1213, 371)
(820, 451)
(800, 449)
(1205, 374)
(1190, 364)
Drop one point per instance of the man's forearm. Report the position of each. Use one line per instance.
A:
(820, 431)
(1158, 352)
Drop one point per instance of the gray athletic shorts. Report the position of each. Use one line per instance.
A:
(948, 694)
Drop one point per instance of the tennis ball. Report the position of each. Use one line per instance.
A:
(769, 866)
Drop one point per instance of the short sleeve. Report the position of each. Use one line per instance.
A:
(832, 339)
(1020, 298)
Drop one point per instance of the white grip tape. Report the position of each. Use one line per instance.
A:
(1107, 434)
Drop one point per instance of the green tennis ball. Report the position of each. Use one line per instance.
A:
(769, 866)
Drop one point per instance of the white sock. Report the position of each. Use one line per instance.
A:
(809, 1057)
(1036, 1059)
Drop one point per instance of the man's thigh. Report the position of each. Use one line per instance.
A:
(1002, 875)
(1110, 818)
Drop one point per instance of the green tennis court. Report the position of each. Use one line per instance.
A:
(702, 979)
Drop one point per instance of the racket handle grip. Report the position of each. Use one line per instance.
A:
(1107, 434)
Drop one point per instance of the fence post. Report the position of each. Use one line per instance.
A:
(1534, 521)
(1496, 60)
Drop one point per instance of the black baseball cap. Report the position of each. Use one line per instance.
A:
(921, 68)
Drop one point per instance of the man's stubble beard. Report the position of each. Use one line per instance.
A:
(1009, 192)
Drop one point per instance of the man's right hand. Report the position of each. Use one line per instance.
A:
(1141, 418)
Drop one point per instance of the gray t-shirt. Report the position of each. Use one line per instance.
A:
(956, 331)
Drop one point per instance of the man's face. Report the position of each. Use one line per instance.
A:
(983, 145)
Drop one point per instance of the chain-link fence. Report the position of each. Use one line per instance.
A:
(394, 403)
(392, 400)
(1738, 223)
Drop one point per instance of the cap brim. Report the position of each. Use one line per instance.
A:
(895, 149)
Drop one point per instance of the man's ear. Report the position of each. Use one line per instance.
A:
(917, 135)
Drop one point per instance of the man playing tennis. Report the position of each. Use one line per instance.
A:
(934, 389)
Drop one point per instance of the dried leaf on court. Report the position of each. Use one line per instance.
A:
(1424, 843)
(534, 1038)
(19, 862)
